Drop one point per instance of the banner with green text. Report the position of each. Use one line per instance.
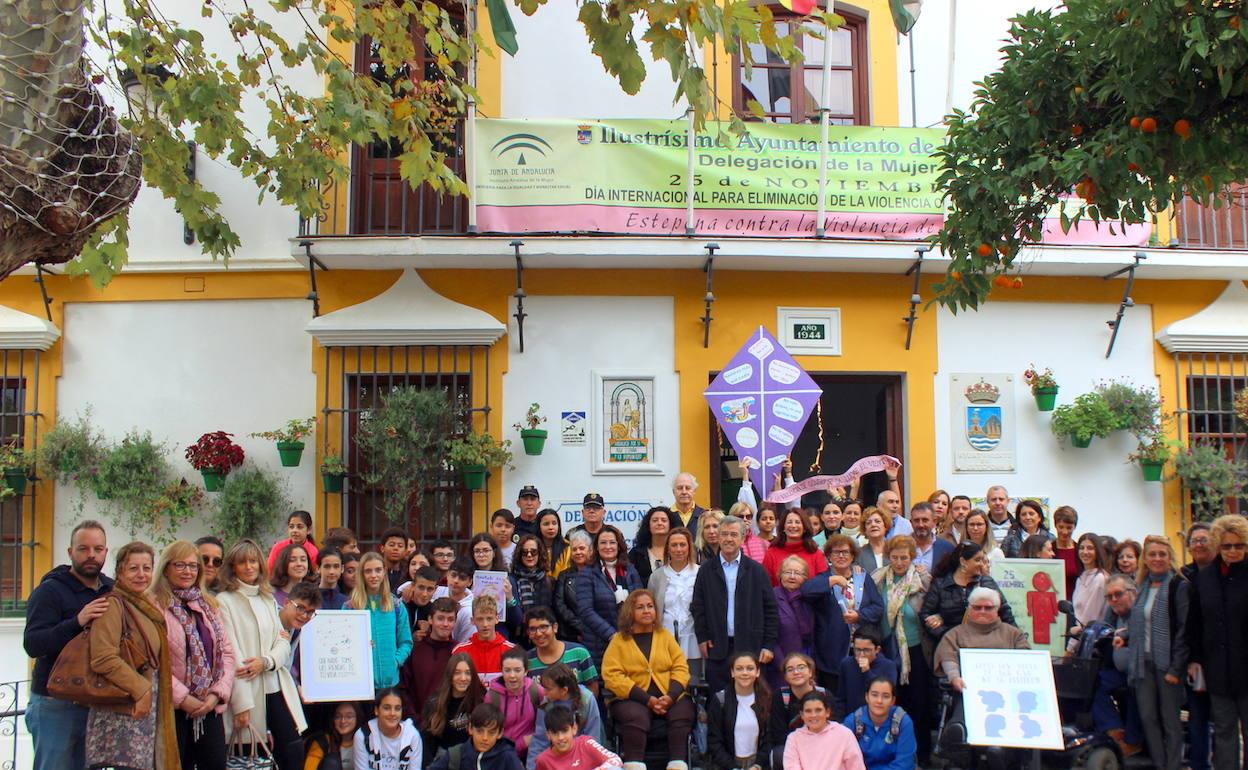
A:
(629, 176)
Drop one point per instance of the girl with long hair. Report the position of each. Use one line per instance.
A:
(1089, 594)
(487, 559)
(977, 529)
(291, 566)
(550, 529)
(445, 720)
(298, 532)
(740, 732)
(646, 555)
(333, 747)
(391, 632)
(530, 580)
(830, 518)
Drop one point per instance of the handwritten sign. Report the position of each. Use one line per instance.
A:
(336, 658)
(1010, 699)
(490, 583)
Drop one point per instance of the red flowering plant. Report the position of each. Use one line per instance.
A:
(215, 452)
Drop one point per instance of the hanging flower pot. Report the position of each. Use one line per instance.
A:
(1152, 469)
(332, 482)
(1082, 443)
(534, 441)
(213, 479)
(290, 452)
(474, 476)
(1046, 398)
(15, 479)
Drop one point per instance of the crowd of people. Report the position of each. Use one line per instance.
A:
(762, 638)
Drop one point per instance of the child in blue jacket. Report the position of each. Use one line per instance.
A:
(883, 729)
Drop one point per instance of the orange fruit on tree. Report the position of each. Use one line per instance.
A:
(984, 250)
(1076, 130)
(1148, 125)
(1135, 122)
(1018, 283)
(955, 275)
(1183, 128)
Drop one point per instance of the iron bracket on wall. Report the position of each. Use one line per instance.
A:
(915, 270)
(313, 264)
(709, 268)
(520, 315)
(43, 290)
(1126, 302)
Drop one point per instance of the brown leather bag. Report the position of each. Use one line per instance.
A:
(72, 678)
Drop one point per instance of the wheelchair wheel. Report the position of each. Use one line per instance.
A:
(1100, 758)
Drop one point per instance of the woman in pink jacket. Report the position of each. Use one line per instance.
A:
(821, 743)
(201, 656)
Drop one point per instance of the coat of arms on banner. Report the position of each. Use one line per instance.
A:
(983, 422)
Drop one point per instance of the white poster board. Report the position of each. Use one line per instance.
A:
(1010, 699)
(490, 583)
(336, 656)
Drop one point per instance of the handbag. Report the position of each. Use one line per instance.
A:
(251, 760)
(73, 679)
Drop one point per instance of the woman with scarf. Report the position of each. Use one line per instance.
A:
(672, 586)
(904, 588)
(839, 599)
(797, 624)
(139, 734)
(530, 582)
(602, 587)
(264, 698)
(201, 654)
(1157, 640)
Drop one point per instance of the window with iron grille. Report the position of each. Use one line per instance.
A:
(1210, 381)
(365, 375)
(19, 388)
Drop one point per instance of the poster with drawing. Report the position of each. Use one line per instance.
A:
(336, 658)
(1010, 699)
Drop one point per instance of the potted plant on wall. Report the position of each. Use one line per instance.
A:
(402, 445)
(71, 452)
(15, 464)
(1209, 477)
(534, 438)
(1043, 387)
(1085, 419)
(254, 504)
(1135, 409)
(289, 440)
(132, 474)
(1152, 454)
(215, 455)
(333, 471)
(475, 453)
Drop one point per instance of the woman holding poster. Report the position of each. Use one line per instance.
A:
(391, 632)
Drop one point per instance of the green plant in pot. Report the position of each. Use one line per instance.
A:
(1089, 417)
(1043, 387)
(131, 474)
(16, 466)
(475, 453)
(177, 503)
(1209, 477)
(1152, 454)
(254, 504)
(71, 452)
(214, 455)
(333, 471)
(534, 438)
(289, 440)
(401, 442)
(1135, 409)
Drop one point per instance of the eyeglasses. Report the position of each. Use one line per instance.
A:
(302, 611)
(185, 566)
(1198, 541)
(792, 573)
(839, 552)
(539, 628)
(983, 607)
(482, 551)
(529, 552)
(1114, 596)
(1233, 546)
(747, 516)
(795, 668)
(213, 561)
(344, 717)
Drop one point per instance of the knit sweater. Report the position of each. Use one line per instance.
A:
(776, 554)
(392, 641)
(832, 748)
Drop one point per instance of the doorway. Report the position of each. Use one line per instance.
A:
(859, 415)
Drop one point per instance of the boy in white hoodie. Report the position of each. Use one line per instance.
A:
(388, 742)
(821, 744)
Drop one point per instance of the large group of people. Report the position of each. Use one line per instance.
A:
(764, 638)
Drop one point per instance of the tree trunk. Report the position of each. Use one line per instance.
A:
(66, 165)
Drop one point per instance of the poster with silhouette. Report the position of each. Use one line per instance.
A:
(1033, 587)
(1010, 700)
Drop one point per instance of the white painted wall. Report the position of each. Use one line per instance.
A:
(565, 339)
(182, 369)
(1108, 492)
(556, 75)
(981, 30)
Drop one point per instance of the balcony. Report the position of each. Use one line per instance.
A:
(1207, 227)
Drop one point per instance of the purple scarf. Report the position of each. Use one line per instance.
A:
(200, 672)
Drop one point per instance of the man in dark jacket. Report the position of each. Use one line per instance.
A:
(733, 607)
(423, 670)
(1199, 719)
(68, 598)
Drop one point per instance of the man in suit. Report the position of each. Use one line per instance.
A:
(733, 607)
(929, 549)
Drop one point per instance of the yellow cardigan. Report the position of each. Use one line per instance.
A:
(624, 668)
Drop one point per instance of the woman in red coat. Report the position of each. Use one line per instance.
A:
(794, 539)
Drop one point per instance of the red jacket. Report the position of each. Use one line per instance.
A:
(486, 656)
(776, 554)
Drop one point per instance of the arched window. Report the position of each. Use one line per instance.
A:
(789, 93)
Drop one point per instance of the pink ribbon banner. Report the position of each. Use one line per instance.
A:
(860, 468)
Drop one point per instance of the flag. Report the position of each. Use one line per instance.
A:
(800, 6)
(504, 29)
(905, 13)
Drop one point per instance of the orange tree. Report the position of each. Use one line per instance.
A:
(1128, 104)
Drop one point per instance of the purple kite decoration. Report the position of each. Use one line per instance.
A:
(762, 400)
